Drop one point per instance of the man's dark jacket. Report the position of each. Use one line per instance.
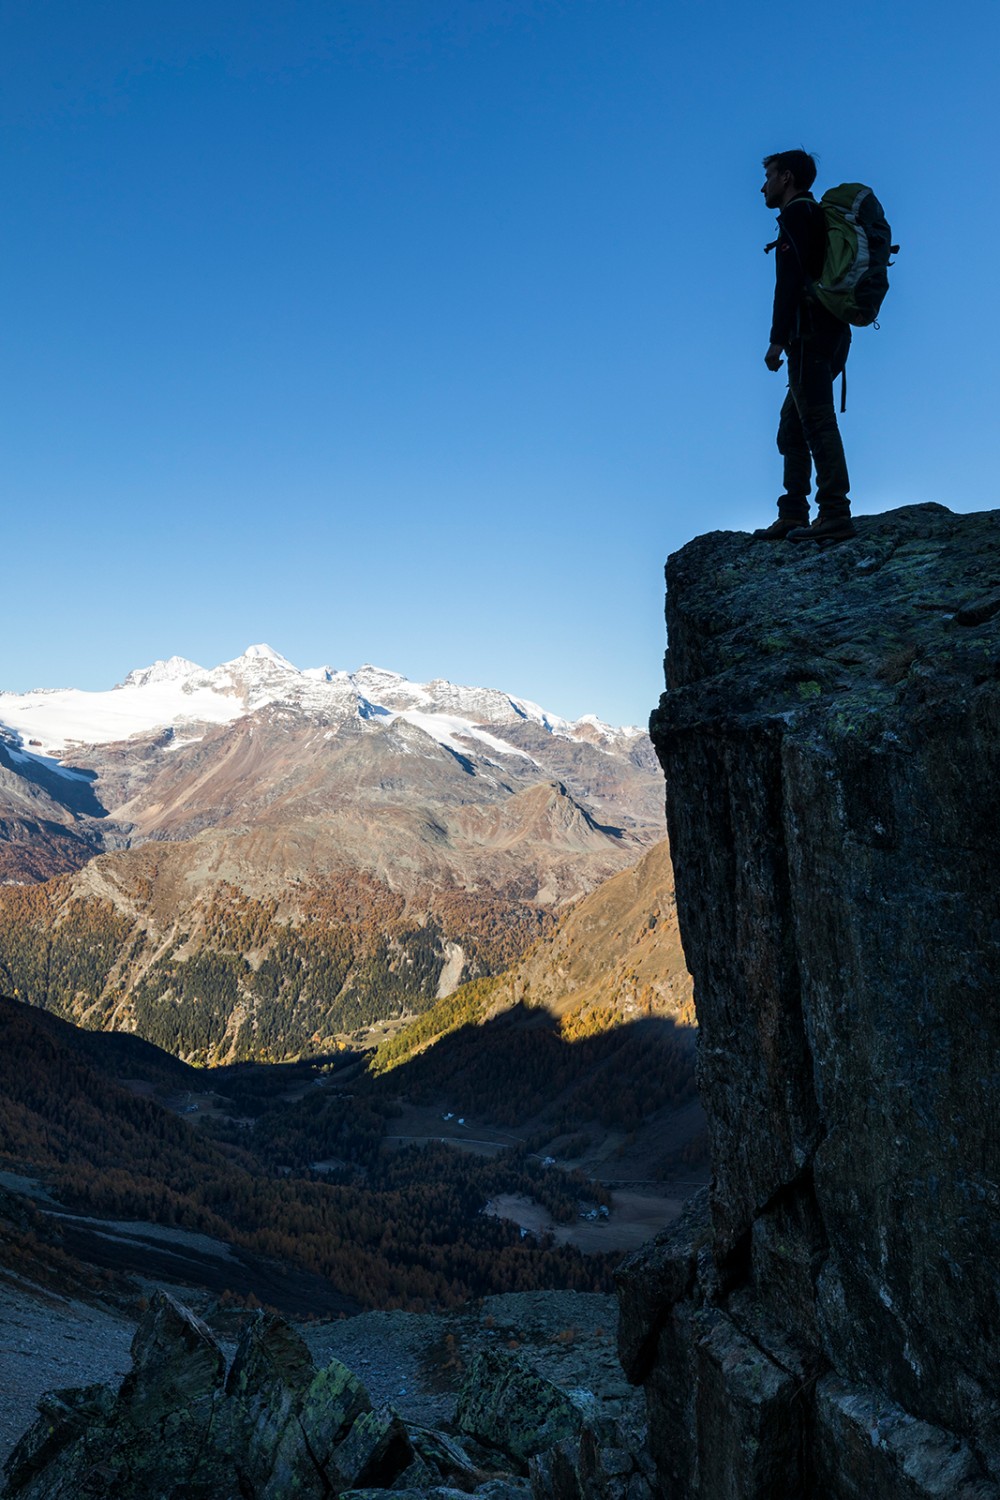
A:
(799, 253)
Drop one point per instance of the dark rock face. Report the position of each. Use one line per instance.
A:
(828, 1325)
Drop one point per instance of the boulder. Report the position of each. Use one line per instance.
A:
(304, 1458)
(652, 1279)
(505, 1403)
(270, 1374)
(865, 1445)
(157, 1439)
(579, 1469)
(168, 1403)
(441, 1458)
(376, 1451)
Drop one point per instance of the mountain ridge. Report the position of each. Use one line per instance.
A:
(55, 719)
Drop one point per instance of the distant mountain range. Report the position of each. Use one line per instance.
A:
(254, 860)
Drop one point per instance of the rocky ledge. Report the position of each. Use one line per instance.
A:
(824, 1324)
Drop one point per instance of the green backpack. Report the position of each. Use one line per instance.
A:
(855, 275)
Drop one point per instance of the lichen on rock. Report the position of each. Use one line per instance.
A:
(506, 1403)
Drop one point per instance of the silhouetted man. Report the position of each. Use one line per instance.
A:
(815, 346)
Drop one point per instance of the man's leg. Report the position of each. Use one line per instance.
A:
(793, 446)
(793, 505)
(812, 388)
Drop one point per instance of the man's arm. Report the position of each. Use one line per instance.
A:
(794, 252)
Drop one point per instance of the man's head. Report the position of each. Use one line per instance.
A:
(787, 173)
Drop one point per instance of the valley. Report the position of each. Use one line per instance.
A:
(334, 994)
(319, 1188)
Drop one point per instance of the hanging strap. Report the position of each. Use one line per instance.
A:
(843, 389)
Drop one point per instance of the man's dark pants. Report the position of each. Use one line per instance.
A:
(808, 434)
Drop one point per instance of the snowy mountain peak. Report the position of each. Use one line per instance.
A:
(610, 731)
(263, 652)
(258, 676)
(381, 677)
(174, 669)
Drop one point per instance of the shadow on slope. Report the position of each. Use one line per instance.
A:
(118, 1053)
(519, 1069)
(71, 788)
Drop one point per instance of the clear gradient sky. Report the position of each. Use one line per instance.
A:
(420, 331)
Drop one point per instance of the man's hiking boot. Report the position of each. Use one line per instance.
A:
(825, 529)
(779, 529)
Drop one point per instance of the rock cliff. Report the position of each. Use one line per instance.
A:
(824, 1323)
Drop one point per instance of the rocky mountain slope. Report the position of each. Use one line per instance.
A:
(613, 957)
(618, 950)
(254, 860)
(824, 1326)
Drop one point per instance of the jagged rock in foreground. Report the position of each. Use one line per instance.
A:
(827, 1326)
(275, 1427)
(181, 1429)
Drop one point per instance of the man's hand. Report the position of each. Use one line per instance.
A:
(773, 356)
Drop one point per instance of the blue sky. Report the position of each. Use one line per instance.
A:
(420, 331)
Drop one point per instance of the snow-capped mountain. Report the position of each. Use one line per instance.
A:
(180, 695)
(223, 853)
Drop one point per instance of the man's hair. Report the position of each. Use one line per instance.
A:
(801, 165)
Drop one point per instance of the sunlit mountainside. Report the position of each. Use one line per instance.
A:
(614, 958)
(256, 861)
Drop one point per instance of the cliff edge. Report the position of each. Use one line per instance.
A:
(824, 1324)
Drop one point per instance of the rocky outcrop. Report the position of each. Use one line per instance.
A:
(180, 1427)
(569, 1447)
(824, 1324)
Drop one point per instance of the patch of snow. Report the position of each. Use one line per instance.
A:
(179, 742)
(70, 716)
(449, 731)
(27, 757)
